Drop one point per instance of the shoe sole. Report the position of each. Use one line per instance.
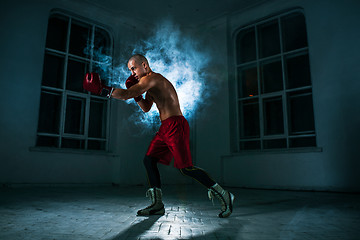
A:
(152, 212)
(232, 198)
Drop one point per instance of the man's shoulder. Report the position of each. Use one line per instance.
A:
(153, 79)
(156, 77)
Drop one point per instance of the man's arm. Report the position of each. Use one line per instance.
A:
(122, 94)
(146, 103)
(134, 91)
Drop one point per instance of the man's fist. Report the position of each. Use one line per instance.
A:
(92, 83)
(131, 81)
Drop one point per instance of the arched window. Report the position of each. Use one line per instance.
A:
(274, 89)
(70, 117)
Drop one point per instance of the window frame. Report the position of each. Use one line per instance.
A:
(64, 93)
(257, 63)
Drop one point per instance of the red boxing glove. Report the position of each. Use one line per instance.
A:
(92, 83)
(131, 81)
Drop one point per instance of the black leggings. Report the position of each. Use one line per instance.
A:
(199, 175)
(152, 171)
(154, 176)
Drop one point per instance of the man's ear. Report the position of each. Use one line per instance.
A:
(144, 64)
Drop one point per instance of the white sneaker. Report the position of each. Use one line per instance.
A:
(226, 199)
(156, 207)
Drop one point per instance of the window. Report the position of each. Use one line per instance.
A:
(274, 91)
(70, 117)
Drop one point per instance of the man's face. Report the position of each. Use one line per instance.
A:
(138, 70)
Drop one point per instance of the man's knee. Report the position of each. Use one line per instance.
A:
(187, 171)
(148, 160)
(198, 174)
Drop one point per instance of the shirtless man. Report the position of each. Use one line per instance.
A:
(172, 139)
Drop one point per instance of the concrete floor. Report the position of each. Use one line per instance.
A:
(110, 213)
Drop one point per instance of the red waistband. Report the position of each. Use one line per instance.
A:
(172, 118)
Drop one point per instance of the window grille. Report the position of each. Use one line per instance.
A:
(70, 117)
(274, 89)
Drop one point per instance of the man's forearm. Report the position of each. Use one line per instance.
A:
(120, 93)
(145, 105)
(125, 94)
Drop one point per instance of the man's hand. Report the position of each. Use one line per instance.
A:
(92, 83)
(131, 81)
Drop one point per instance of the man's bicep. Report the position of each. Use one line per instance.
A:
(136, 90)
(146, 83)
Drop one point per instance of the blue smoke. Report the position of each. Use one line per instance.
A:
(178, 58)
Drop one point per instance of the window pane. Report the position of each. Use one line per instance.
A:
(75, 114)
(246, 46)
(294, 31)
(97, 123)
(248, 83)
(249, 118)
(298, 71)
(79, 38)
(303, 142)
(271, 77)
(57, 33)
(273, 116)
(250, 145)
(101, 55)
(75, 75)
(96, 145)
(274, 143)
(101, 44)
(72, 143)
(45, 141)
(269, 40)
(53, 72)
(49, 115)
(301, 113)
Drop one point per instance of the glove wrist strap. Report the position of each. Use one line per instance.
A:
(111, 91)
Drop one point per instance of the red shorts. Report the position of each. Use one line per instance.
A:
(172, 141)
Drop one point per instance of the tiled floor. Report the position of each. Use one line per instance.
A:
(110, 213)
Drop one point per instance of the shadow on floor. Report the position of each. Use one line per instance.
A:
(139, 231)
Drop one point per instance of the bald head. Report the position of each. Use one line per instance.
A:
(139, 66)
(139, 59)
